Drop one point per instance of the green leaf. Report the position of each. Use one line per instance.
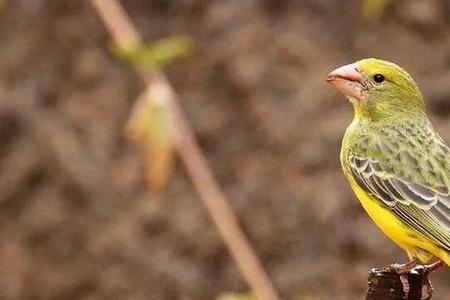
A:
(157, 55)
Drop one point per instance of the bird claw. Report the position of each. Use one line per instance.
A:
(425, 271)
(402, 271)
(430, 288)
(405, 283)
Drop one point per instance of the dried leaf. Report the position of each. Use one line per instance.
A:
(149, 127)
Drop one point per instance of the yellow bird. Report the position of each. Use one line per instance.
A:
(396, 163)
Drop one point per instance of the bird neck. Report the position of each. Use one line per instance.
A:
(364, 116)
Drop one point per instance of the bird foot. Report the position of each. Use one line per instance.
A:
(402, 271)
(403, 268)
(424, 271)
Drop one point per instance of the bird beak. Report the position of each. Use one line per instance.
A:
(348, 80)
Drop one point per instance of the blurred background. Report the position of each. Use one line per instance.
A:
(77, 220)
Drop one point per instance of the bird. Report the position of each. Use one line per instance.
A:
(397, 165)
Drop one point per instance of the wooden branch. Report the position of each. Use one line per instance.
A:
(385, 284)
(126, 36)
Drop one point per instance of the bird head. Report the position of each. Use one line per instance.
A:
(378, 89)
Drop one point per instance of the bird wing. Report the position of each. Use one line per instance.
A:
(425, 209)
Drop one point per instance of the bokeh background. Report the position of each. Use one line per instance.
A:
(76, 218)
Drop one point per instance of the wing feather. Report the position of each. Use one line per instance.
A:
(421, 207)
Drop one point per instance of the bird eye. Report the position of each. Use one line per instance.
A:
(378, 78)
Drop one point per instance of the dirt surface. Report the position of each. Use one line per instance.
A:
(76, 219)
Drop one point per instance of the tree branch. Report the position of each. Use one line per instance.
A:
(385, 284)
(126, 36)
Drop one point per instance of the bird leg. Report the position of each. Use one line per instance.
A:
(402, 271)
(426, 270)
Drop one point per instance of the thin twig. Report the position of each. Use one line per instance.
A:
(126, 36)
